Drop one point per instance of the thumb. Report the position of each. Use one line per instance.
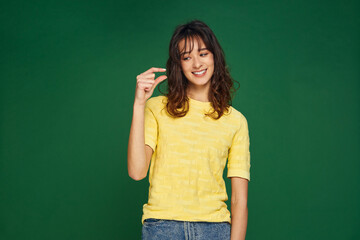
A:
(158, 80)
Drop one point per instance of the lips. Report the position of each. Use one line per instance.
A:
(199, 72)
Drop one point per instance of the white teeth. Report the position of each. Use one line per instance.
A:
(199, 73)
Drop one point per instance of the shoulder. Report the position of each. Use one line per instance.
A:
(156, 101)
(237, 116)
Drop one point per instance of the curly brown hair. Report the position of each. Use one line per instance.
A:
(221, 86)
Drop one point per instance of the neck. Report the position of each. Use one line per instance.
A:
(198, 93)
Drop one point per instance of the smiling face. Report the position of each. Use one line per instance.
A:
(197, 65)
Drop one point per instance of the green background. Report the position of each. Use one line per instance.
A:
(68, 73)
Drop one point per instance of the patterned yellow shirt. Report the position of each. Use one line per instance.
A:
(190, 153)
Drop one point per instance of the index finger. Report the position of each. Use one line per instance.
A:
(154, 69)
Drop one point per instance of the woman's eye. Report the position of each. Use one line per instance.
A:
(202, 54)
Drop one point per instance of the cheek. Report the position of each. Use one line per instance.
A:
(185, 67)
(212, 61)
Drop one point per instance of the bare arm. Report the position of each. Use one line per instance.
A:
(239, 209)
(139, 154)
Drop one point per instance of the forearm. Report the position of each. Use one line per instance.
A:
(239, 218)
(136, 145)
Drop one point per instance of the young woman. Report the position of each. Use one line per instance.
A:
(187, 135)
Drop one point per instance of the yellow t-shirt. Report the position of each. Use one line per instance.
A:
(190, 152)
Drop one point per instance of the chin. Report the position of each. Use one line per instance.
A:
(199, 83)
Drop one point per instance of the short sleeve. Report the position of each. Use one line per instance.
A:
(150, 127)
(239, 152)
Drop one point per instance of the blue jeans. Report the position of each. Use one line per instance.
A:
(163, 229)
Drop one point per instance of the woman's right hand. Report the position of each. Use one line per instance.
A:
(145, 84)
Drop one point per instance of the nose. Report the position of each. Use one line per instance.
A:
(196, 62)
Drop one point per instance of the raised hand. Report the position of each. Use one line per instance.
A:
(145, 84)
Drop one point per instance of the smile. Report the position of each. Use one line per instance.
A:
(200, 73)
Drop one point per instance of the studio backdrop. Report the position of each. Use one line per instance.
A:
(68, 75)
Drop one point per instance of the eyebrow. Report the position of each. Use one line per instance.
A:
(182, 54)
